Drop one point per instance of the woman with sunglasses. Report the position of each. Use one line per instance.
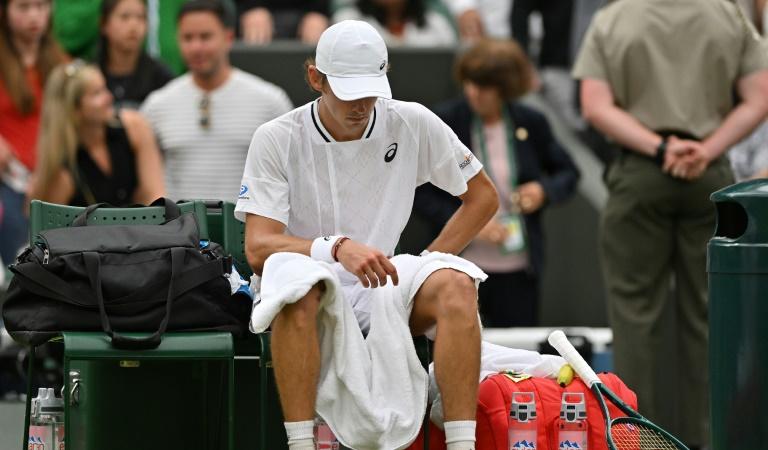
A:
(130, 73)
(87, 153)
(28, 53)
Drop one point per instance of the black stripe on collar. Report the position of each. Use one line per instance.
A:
(373, 123)
(317, 126)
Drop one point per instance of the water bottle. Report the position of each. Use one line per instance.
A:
(522, 421)
(324, 437)
(572, 425)
(46, 421)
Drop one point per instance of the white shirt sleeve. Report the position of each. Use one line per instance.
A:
(264, 187)
(443, 160)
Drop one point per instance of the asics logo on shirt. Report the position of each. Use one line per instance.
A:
(391, 152)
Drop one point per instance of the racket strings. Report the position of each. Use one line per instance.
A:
(634, 436)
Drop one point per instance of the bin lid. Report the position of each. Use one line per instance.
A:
(742, 212)
(740, 242)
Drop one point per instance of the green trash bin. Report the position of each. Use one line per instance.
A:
(738, 318)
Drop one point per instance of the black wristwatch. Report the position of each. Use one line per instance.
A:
(661, 151)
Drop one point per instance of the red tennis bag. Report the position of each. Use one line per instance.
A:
(495, 398)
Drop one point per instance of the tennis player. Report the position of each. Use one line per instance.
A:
(335, 179)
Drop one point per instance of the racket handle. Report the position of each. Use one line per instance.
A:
(560, 342)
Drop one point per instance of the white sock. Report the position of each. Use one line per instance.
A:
(301, 435)
(460, 434)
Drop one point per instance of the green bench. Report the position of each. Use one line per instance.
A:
(182, 391)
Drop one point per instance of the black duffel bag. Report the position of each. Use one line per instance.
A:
(129, 278)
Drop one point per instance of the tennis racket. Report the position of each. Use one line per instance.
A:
(622, 433)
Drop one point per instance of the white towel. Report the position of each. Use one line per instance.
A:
(372, 391)
(494, 359)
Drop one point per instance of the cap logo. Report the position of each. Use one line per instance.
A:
(383, 64)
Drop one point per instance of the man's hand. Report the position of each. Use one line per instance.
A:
(257, 26)
(311, 27)
(368, 264)
(685, 159)
(494, 232)
(470, 25)
(530, 197)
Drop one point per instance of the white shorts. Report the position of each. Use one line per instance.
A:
(412, 271)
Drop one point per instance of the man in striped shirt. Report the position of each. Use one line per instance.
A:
(204, 119)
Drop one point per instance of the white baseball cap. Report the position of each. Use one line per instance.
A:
(354, 57)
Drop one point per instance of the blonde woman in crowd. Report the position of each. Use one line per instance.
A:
(87, 154)
(28, 53)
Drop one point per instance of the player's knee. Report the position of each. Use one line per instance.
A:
(301, 314)
(458, 295)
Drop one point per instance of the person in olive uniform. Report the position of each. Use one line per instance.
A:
(658, 77)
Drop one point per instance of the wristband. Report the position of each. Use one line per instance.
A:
(336, 246)
(322, 248)
(661, 151)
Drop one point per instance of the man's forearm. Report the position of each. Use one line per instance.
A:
(623, 128)
(265, 237)
(262, 247)
(478, 206)
(737, 124)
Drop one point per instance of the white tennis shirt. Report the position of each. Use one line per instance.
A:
(297, 174)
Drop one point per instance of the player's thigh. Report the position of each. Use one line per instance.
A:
(446, 292)
(303, 312)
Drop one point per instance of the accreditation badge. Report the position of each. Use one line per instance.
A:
(515, 241)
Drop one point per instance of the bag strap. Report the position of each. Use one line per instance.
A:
(185, 281)
(172, 211)
(93, 267)
(82, 219)
(34, 278)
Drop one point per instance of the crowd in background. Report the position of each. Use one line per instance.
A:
(77, 84)
(124, 101)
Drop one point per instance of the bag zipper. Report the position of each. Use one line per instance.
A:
(42, 242)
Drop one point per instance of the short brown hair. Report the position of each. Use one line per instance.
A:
(501, 64)
(310, 61)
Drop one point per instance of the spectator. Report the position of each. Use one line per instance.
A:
(749, 158)
(358, 184)
(554, 52)
(28, 53)
(264, 20)
(644, 69)
(87, 153)
(481, 18)
(402, 22)
(131, 74)
(204, 119)
(77, 28)
(528, 166)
